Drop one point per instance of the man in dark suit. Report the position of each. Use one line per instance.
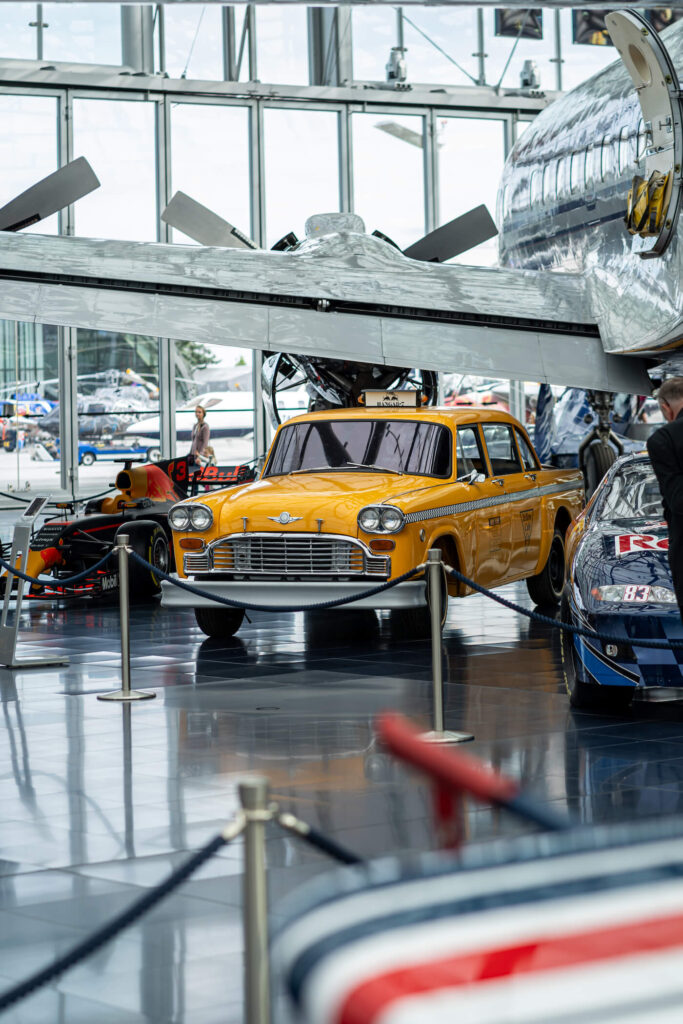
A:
(665, 448)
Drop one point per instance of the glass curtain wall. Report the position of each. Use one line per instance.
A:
(28, 147)
(194, 46)
(29, 409)
(28, 352)
(81, 33)
(302, 168)
(464, 143)
(388, 174)
(263, 164)
(210, 160)
(117, 137)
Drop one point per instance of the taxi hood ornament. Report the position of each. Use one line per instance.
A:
(284, 519)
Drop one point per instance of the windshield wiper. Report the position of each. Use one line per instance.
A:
(348, 465)
(374, 469)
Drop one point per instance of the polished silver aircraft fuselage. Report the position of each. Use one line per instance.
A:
(562, 202)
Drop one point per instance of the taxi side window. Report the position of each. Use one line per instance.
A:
(470, 455)
(502, 450)
(527, 454)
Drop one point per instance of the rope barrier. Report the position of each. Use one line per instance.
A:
(62, 582)
(55, 504)
(567, 627)
(109, 931)
(317, 839)
(93, 942)
(334, 603)
(460, 577)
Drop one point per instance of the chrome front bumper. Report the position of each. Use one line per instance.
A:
(410, 594)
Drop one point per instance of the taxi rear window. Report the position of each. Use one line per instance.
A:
(399, 446)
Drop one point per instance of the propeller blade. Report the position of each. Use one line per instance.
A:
(454, 238)
(205, 226)
(385, 238)
(60, 189)
(287, 241)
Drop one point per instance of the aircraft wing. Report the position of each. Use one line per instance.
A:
(343, 295)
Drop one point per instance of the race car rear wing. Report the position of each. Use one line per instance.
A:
(189, 477)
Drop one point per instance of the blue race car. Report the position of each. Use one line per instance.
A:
(619, 583)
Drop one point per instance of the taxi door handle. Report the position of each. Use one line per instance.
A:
(529, 476)
(499, 482)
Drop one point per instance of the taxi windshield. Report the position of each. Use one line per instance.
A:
(352, 445)
(633, 494)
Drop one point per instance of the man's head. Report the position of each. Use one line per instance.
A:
(670, 398)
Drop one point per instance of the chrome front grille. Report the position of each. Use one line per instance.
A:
(200, 562)
(288, 556)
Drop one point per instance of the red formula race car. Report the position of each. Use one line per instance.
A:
(68, 544)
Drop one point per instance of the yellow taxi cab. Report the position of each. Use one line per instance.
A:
(352, 498)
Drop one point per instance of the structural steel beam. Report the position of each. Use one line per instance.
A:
(614, 5)
(31, 73)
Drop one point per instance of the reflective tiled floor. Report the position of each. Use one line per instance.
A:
(97, 801)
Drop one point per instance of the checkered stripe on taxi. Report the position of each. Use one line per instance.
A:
(498, 499)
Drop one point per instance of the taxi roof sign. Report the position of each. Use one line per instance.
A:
(405, 399)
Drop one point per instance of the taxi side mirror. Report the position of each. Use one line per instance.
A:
(475, 477)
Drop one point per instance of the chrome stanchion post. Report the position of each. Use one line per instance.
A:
(125, 693)
(435, 571)
(254, 798)
(435, 576)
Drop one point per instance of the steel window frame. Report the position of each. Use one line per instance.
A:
(66, 86)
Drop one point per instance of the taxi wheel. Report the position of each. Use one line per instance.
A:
(87, 459)
(546, 588)
(418, 621)
(219, 622)
(582, 695)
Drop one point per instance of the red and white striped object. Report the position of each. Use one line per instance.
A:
(589, 929)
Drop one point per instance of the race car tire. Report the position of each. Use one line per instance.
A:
(219, 623)
(154, 454)
(87, 458)
(598, 459)
(148, 540)
(582, 695)
(545, 589)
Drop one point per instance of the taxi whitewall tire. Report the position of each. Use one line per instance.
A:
(87, 458)
(582, 695)
(546, 588)
(219, 623)
(149, 540)
(418, 621)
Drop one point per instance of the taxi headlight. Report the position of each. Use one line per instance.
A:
(201, 517)
(179, 517)
(634, 593)
(381, 519)
(391, 519)
(368, 519)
